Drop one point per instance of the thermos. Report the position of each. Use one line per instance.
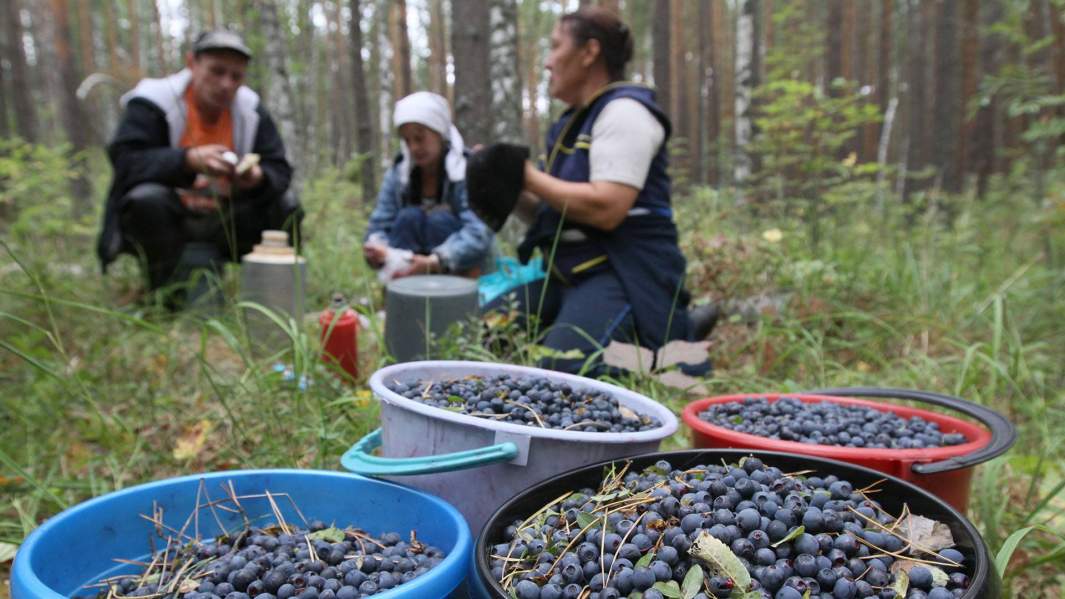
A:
(273, 276)
(340, 342)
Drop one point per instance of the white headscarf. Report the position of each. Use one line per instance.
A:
(433, 111)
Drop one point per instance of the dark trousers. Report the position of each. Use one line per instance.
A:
(420, 230)
(585, 316)
(158, 228)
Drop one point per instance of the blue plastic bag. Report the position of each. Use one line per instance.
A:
(509, 274)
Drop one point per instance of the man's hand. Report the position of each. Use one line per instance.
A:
(421, 264)
(250, 178)
(374, 253)
(198, 203)
(209, 160)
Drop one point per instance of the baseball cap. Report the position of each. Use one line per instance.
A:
(220, 39)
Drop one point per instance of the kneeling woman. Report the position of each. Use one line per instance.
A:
(604, 219)
(422, 205)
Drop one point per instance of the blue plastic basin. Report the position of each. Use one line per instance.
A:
(78, 546)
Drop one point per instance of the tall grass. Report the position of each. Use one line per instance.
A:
(99, 394)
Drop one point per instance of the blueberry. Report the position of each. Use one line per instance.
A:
(844, 589)
(527, 589)
(921, 578)
(643, 578)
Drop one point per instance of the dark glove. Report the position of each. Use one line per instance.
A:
(495, 177)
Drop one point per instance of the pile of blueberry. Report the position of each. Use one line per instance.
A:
(787, 537)
(532, 401)
(268, 564)
(828, 423)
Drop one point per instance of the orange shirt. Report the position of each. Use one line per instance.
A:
(199, 132)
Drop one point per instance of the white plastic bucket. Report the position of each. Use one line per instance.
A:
(477, 463)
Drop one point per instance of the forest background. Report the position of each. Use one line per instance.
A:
(874, 189)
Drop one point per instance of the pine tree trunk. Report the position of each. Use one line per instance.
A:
(473, 94)
(363, 114)
(970, 64)
(45, 74)
(280, 97)
(987, 132)
(711, 84)
(916, 34)
(437, 48)
(724, 79)
(848, 66)
(865, 74)
(5, 128)
(1057, 24)
(947, 107)
(834, 44)
(111, 37)
(21, 90)
(504, 73)
(74, 117)
(397, 32)
(87, 58)
(340, 88)
(681, 141)
(660, 43)
(134, 36)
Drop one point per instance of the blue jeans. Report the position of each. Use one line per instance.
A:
(420, 230)
(585, 316)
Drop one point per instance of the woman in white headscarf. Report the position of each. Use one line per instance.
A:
(422, 215)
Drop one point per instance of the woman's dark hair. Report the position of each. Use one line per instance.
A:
(412, 196)
(613, 35)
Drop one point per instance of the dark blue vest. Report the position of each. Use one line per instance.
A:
(643, 250)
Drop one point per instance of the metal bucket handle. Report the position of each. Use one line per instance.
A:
(359, 459)
(1003, 433)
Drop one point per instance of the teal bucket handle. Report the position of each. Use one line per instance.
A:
(359, 460)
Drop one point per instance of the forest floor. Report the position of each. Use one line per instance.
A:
(966, 298)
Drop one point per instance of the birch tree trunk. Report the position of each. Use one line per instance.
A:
(363, 114)
(473, 95)
(21, 90)
(745, 49)
(504, 72)
(885, 64)
(162, 51)
(279, 94)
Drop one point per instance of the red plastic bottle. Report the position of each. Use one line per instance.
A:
(340, 343)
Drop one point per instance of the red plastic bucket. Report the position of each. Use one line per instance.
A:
(944, 471)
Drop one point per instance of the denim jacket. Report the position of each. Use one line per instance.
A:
(466, 248)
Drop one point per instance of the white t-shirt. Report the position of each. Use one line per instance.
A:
(625, 139)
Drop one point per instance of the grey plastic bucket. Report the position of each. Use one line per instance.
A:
(419, 309)
(476, 463)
